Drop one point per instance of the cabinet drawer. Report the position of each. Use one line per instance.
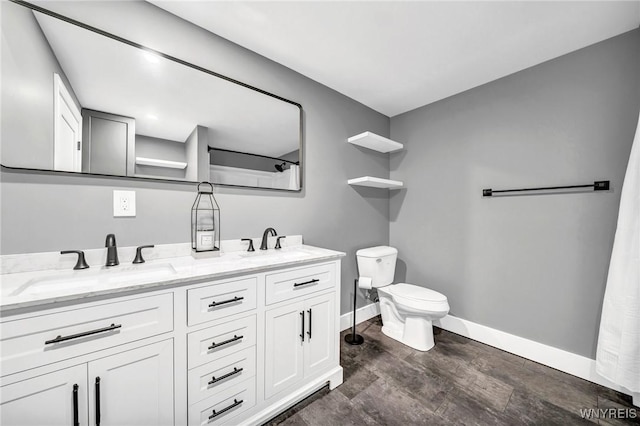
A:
(299, 282)
(219, 300)
(43, 339)
(221, 340)
(221, 374)
(222, 408)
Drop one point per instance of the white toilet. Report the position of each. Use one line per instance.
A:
(407, 310)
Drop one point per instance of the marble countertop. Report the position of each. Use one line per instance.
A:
(27, 289)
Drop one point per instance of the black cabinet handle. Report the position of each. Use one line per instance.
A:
(75, 405)
(315, 280)
(302, 334)
(224, 410)
(309, 332)
(83, 334)
(224, 302)
(97, 401)
(216, 345)
(215, 379)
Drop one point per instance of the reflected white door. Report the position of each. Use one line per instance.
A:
(67, 127)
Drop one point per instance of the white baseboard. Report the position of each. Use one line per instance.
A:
(362, 314)
(568, 362)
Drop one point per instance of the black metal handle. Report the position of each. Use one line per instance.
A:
(302, 334)
(224, 302)
(215, 379)
(139, 258)
(315, 280)
(97, 401)
(75, 405)
(86, 333)
(216, 345)
(278, 246)
(250, 244)
(81, 263)
(309, 332)
(224, 410)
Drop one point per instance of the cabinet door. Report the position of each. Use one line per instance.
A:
(283, 347)
(47, 400)
(319, 349)
(133, 387)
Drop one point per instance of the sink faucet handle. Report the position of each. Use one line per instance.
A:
(139, 258)
(250, 244)
(278, 246)
(81, 263)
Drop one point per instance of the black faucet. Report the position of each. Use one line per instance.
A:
(112, 251)
(265, 236)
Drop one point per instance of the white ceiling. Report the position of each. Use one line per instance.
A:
(395, 56)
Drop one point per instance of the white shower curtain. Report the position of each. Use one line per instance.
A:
(618, 354)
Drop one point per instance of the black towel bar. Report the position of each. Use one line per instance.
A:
(601, 185)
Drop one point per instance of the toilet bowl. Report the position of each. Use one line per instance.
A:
(407, 310)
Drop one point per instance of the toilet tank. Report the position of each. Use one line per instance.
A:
(377, 263)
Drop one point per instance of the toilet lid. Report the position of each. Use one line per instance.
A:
(415, 292)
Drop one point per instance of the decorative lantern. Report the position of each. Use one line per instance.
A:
(205, 223)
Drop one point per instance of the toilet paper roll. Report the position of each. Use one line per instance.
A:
(365, 283)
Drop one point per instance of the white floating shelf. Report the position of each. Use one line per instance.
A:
(160, 163)
(375, 142)
(375, 182)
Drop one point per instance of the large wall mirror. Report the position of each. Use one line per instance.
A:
(77, 100)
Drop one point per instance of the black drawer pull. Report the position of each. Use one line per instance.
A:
(86, 333)
(98, 415)
(224, 410)
(224, 302)
(233, 339)
(315, 280)
(215, 379)
(75, 405)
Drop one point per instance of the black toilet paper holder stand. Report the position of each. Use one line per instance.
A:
(354, 338)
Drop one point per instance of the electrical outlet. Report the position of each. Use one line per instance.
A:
(124, 203)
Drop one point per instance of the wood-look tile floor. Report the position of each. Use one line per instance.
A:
(459, 382)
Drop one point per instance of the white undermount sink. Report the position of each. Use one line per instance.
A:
(88, 279)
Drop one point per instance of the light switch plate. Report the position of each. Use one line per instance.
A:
(124, 203)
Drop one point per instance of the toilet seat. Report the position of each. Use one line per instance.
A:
(417, 298)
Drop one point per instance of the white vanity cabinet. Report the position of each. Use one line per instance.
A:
(218, 351)
(108, 385)
(55, 399)
(300, 342)
(301, 334)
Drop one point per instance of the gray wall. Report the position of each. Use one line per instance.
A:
(27, 95)
(44, 212)
(534, 266)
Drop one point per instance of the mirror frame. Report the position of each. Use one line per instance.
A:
(181, 62)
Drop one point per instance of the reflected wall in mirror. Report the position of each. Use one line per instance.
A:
(75, 100)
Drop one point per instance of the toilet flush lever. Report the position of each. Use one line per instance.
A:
(378, 260)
